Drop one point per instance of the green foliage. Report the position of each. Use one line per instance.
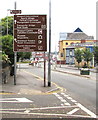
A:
(78, 55)
(95, 52)
(87, 55)
(7, 40)
(3, 23)
(24, 55)
(5, 58)
(83, 54)
(7, 46)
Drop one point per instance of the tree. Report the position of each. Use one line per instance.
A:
(7, 47)
(87, 55)
(3, 23)
(95, 52)
(7, 40)
(23, 55)
(78, 56)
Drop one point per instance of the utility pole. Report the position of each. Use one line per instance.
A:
(97, 21)
(7, 20)
(15, 57)
(49, 55)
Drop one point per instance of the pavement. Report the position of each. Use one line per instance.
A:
(71, 69)
(37, 86)
(28, 83)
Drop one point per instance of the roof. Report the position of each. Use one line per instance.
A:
(79, 36)
(78, 30)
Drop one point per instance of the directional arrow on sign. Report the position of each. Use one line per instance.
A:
(39, 41)
(15, 40)
(15, 21)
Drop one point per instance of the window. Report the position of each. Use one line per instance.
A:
(61, 54)
(66, 43)
(71, 52)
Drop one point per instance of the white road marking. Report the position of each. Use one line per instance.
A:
(14, 100)
(74, 101)
(73, 111)
(86, 110)
(64, 94)
(63, 100)
(66, 103)
(60, 98)
(62, 104)
(27, 111)
(69, 98)
(45, 114)
(43, 108)
(56, 95)
(78, 105)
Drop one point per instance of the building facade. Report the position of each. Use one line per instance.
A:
(78, 36)
(70, 59)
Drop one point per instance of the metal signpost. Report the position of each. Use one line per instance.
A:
(30, 34)
(15, 53)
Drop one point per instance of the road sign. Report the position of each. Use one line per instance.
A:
(15, 11)
(30, 33)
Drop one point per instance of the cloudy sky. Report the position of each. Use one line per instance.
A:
(66, 15)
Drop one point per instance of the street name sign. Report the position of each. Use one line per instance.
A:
(15, 11)
(30, 33)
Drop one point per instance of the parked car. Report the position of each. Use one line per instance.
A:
(33, 62)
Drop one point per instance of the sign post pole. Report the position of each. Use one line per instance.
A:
(15, 59)
(15, 52)
(49, 55)
(44, 69)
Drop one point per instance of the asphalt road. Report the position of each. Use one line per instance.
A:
(81, 89)
(76, 101)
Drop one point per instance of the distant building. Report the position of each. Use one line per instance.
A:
(70, 59)
(63, 36)
(78, 36)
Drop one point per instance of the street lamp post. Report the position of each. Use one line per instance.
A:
(7, 20)
(49, 55)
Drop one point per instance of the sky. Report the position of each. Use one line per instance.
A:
(66, 15)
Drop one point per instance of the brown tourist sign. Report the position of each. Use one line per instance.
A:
(30, 33)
